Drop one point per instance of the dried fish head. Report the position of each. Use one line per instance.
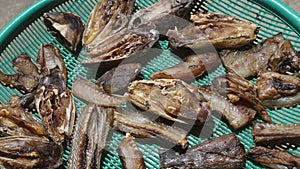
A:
(66, 27)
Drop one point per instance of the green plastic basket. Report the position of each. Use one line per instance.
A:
(27, 32)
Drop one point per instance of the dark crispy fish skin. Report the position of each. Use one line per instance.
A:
(29, 152)
(15, 120)
(104, 14)
(92, 93)
(276, 134)
(138, 125)
(118, 78)
(129, 154)
(123, 44)
(240, 91)
(274, 159)
(217, 29)
(192, 67)
(278, 90)
(268, 54)
(172, 99)
(90, 137)
(223, 152)
(67, 28)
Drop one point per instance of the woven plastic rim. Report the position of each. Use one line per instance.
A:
(14, 27)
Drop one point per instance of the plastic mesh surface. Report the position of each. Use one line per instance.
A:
(35, 34)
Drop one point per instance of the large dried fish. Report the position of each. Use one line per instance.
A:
(274, 159)
(107, 18)
(240, 91)
(271, 53)
(278, 90)
(118, 78)
(67, 28)
(15, 120)
(92, 93)
(219, 30)
(29, 152)
(276, 134)
(123, 44)
(225, 152)
(193, 66)
(130, 155)
(89, 137)
(138, 125)
(238, 116)
(172, 99)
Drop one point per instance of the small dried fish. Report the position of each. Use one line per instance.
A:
(123, 44)
(16, 121)
(67, 28)
(118, 78)
(193, 66)
(129, 154)
(106, 19)
(238, 116)
(267, 134)
(225, 152)
(89, 137)
(271, 53)
(92, 93)
(29, 152)
(172, 99)
(240, 91)
(138, 125)
(278, 90)
(274, 159)
(217, 29)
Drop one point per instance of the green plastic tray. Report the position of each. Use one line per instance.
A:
(27, 32)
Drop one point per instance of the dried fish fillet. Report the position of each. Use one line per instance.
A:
(138, 125)
(92, 93)
(193, 66)
(67, 28)
(129, 154)
(172, 99)
(274, 159)
(89, 138)
(29, 152)
(223, 152)
(276, 134)
(278, 90)
(106, 16)
(268, 54)
(238, 116)
(217, 29)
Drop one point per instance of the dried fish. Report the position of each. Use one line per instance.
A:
(92, 93)
(274, 159)
(16, 121)
(240, 91)
(238, 116)
(129, 154)
(223, 152)
(276, 134)
(278, 90)
(123, 44)
(107, 18)
(118, 78)
(172, 99)
(270, 53)
(193, 66)
(220, 30)
(67, 28)
(90, 136)
(29, 152)
(139, 125)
